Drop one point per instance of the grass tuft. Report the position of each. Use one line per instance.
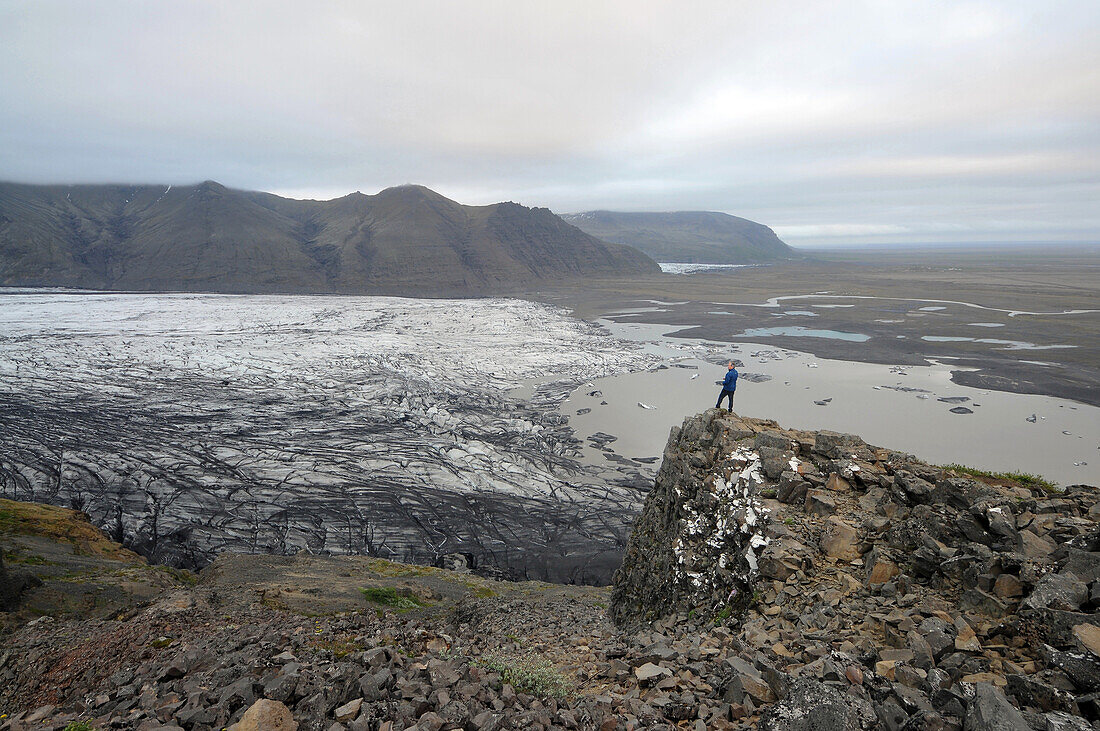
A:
(1022, 478)
(531, 674)
(80, 726)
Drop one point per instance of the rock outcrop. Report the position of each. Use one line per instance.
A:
(695, 545)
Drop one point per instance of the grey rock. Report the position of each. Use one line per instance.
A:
(1062, 721)
(773, 440)
(891, 715)
(1030, 690)
(813, 706)
(990, 710)
(836, 445)
(13, 584)
(1083, 668)
(649, 673)
(1057, 591)
(792, 488)
(819, 504)
(1085, 565)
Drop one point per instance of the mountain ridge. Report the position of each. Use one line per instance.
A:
(210, 238)
(696, 237)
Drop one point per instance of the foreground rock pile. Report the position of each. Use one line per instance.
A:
(904, 586)
(888, 594)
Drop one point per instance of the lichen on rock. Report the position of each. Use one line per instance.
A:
(696, 544)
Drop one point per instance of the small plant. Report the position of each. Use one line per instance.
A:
(768, 492)
(723, 615)
(340, 647)
(531, 674)
(388, 596)
(80, 726)
(788, 521)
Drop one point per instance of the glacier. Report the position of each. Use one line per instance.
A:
(185, 425)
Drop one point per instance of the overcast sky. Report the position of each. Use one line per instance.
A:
(860, 122)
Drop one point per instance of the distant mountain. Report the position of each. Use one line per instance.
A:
(700, 237)
(211, 238)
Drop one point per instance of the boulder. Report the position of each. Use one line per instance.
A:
(13, 584)
(1088, 638)
(836, 445)
(840, 540)
(772, 439)
(990, 710)
(819, 503)
(792, 488)
(811, 705)
(1033, 546)
(1085, 565)
(1057, 591)
(1083, 668)
(266, 715)
(650, 674)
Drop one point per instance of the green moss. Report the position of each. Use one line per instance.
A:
(483, 592)
(183, 576)
(388, 596)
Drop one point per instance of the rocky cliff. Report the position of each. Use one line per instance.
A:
(888, 593)
(209, 238)
(704, 237)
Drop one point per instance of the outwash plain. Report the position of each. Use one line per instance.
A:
(898, 298)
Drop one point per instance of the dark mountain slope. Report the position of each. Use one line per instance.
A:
(704, 237)
(211, 238)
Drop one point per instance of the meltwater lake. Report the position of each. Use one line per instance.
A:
(907, 408)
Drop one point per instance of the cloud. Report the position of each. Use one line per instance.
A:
(917, 115)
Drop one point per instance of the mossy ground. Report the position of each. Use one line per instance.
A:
(1023, 479)
(61, 524)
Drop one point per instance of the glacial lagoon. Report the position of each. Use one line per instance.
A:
(894, 407)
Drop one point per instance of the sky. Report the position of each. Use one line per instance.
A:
(884, 121)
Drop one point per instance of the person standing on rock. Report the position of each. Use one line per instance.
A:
(729, 385)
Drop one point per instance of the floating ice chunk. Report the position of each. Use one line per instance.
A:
(646, 406)
(1031, 419)
(694, 376)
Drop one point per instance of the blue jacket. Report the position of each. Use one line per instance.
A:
(730, 383)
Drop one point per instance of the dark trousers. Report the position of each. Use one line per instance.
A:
(723, 395)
